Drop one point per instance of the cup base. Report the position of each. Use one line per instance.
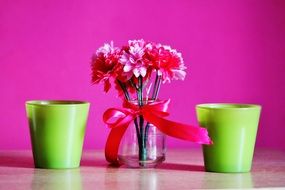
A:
(227, 169)
(56, 167)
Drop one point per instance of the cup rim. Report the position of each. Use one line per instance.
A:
(56, 102)
(228, 106)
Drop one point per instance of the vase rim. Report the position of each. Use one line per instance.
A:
(135, 101)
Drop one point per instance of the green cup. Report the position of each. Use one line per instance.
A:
(232, 128)
(57, 130)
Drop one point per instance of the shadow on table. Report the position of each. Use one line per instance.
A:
(165, 166)
(16, 160)
(181, 167)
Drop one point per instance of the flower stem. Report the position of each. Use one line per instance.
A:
(156, 89)
(155, 85)
(127, 96)
(142, 149)
(123, 87)
(133, 84)
(140, 91)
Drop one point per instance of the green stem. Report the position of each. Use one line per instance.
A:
(142, 149)
(155, 85)
(127, 96)
(140, 93)
(124, 88)
(133, 84)
(156, 89)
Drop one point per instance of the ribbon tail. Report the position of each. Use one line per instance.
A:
(179, 130)
(113, 143)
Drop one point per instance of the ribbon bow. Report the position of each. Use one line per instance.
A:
(119, 119)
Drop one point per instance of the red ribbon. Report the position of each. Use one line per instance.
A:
(154, 113)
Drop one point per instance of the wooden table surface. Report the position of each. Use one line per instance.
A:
(183, 169)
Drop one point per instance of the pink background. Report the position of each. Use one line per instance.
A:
(234, 51)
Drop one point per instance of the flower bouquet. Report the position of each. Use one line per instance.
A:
(137, 71)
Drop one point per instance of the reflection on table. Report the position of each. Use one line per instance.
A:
(183, 169)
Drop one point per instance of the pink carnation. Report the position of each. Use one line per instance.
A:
(138, 58)
(105, 65)
(133, 60)
(168, 62)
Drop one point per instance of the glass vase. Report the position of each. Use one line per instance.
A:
(142, 147)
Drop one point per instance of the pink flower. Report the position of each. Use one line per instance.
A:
(105, 65)
(133, 59)
(168, 62)
(138, 58)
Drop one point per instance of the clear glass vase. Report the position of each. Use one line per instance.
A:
(143, 149)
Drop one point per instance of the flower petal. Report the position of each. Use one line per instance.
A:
(107, 85)
(142, 71)
(127, 68)
(136, 72)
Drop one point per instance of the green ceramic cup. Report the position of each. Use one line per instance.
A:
(233, 128)
(57, 130)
